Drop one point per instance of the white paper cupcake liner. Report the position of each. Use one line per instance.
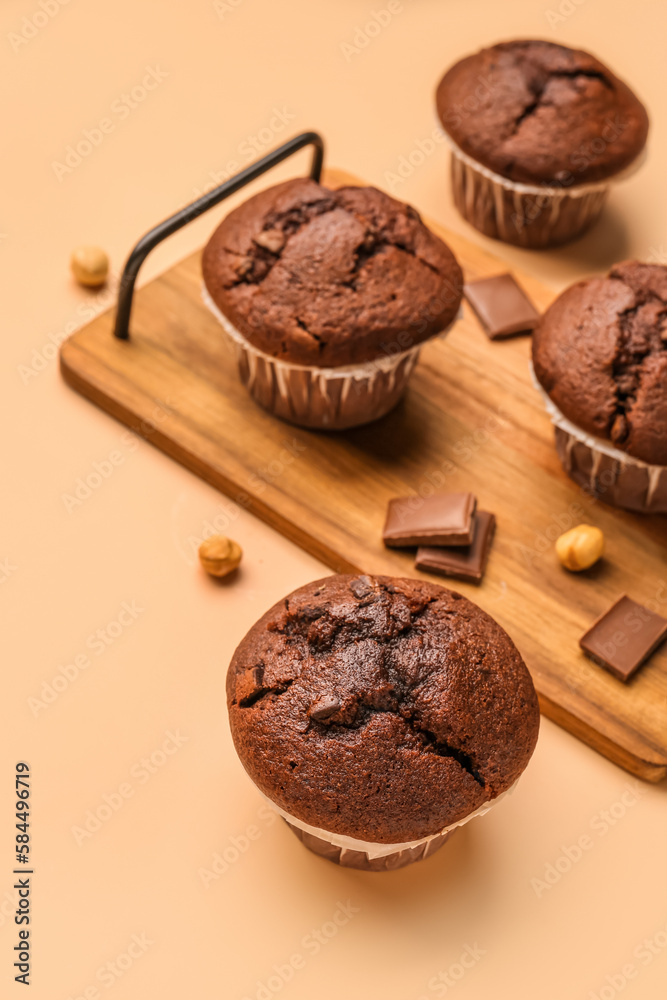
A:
(368, 855)
(527, 215)
(603, 470)
(320, 398)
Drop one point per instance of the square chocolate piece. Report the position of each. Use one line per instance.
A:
(624, 637)
(464, 563)
(441, 519)
(501, 306)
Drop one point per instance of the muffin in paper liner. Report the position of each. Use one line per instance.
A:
(606, 472)
(361, 708)
(368, 856)
(320, 398)
(526, 215)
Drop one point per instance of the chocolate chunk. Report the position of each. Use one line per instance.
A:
(362, 587)
(250, 686)
(272, 240)
(324, 707)
(624, 637)
(441, 519)
(465, 563)
(501, 306)
(243, 266)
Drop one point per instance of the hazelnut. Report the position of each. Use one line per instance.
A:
(219, 555)
(90, 266)
(580, 547)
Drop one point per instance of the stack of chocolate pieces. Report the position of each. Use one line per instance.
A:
(451, 536)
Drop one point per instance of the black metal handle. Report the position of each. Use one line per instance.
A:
(197, 208)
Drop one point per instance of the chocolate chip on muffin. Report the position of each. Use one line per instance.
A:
(380, 709)
(330, 278)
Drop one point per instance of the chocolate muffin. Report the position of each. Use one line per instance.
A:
(383, 710)
(600, 356)
(328, 296)
(329, 278)
(541, 107)
(533, 118)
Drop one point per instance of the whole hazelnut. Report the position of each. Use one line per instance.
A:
(580, 547)
(219, 555)
(90, 266)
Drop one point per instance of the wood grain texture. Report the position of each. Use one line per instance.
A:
(471, 421)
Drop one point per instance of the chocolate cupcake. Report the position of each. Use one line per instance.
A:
(378, 714)
(327, 296)
(538, 133)
(600, 360)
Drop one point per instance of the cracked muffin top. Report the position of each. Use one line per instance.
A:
(600, 352)
(331, 278)
(379, 708)
(541, 113)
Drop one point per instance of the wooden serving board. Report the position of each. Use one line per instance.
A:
(471, 420)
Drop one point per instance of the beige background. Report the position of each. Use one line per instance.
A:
(66, 574)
